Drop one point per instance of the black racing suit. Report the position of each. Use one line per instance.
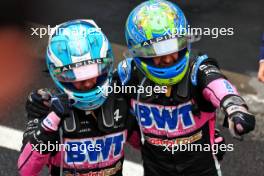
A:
(184, 116)
(103, 149)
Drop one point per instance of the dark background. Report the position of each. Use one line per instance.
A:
(237, 53)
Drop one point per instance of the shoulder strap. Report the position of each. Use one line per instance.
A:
(113, 113)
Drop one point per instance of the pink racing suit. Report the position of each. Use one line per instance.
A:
(186, 116)
(89, 151)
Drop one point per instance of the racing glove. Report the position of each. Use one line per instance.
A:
(45, 111)
(238, 119)
(41, 102)
(37, 104)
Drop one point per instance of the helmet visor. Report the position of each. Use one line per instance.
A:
(82, 70)
(99, 82)
(159, 46)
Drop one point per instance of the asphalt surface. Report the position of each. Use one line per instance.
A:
(236, 53)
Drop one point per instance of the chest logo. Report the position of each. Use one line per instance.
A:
(167, 118)
(94, 150)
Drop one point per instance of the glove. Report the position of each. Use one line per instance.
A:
(239, 120)
(244, 122)
(60, 104)
(41, 102)
(41, 139)
(37, 105)
(47, 131)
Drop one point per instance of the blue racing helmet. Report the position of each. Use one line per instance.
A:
(77, 51)
(157, 28)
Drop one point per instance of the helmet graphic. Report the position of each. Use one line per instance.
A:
(158, 28)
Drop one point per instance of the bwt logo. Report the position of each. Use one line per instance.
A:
(105, 147)
(165, 117)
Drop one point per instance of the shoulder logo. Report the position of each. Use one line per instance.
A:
(117, 115)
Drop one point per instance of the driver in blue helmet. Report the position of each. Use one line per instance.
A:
(79, 128)
(177, 125)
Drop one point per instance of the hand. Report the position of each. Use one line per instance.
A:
(60, 104)
(243, 122)
(37, 105)
(238, 119)
(41, 102)
(261, 72)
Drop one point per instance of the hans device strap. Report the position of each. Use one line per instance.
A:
(113, 113)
